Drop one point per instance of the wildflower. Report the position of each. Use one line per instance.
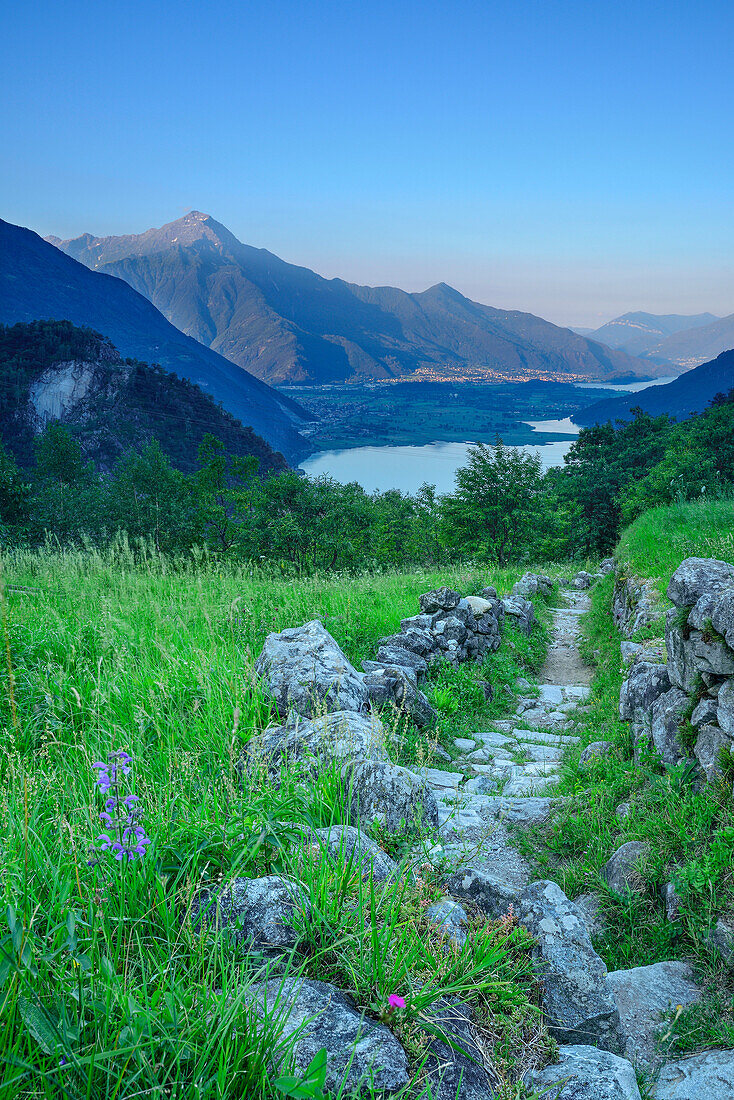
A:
(126, 838)
(395, 1001)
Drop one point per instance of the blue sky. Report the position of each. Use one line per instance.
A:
(573, 159)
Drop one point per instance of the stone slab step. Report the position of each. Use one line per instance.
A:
(538, 737)
(529, 786)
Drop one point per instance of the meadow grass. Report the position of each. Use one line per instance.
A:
(106, 991)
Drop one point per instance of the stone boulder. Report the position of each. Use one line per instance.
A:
(395, 687)
(343, 735)
(450, 917)
(705, 711)
(417, 641)
(306, 671)
(725, 707)
(346, 844)
(576, 998)
(493, 892)
(361, 1054)
(710, 742)
(643, 995)
(721, 937)
(399, 657)
(722, 616)
(668, 712)
(257, 914)
(696, 576)
(454, 1065)
(582, 580)
(591, 910)
(607, 566)
(595, 751)
(694, 652)
(391, 796)
(533, 584)
(707, 1076)
(442, 599)
(585, 1073)
(642, 687)
(488, 593)
(621, 872)
(521, 612)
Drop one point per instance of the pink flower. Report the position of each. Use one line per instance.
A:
(395, 1001)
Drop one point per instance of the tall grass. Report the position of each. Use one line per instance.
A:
(105, 990)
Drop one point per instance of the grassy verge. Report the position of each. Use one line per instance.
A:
(104, 989)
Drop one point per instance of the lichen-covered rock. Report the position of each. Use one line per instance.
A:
(394, 686)
(391, 796)
(521, 612)
(343, 735)
(400, 657)
(306, 671)
(532, 584)
(360, 1053)
(577, 1000)
(441, 599)
(707, 1076)
(622, 872)
(585, 1073)
(454, 1065)
(721, 937)
(256, 914)
(607, 566)
(595, 751)
(704, 713)
(417, 641)
(348, 845)
(710, 742)
(642, 687)
(696, 576)
(643, 994)
(680, 648)
(494, 893)
(668, 712)
(722, 616)
(725, 707)
(582, 580)
(450, 917)
(589, 905)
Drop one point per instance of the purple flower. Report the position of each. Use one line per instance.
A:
(126, 838)
(396, 1001)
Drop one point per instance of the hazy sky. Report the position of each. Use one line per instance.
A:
(572, 159)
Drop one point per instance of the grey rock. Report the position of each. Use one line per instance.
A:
(523, 684)
(630, 651)
(345, 843)
(623, 811)
(403, 658)
(256, 913)
(643, 994)
(454, 1066)
(481, 784)
(577, 1000)
(707, 1076)
(449, 629)
(621, 872)
(694, 576)
(671, 900)
(585, 1073)
(668, 711)
(419, 622)
(442, 599)
(596, 750)
(582, 580)
(392, 687)
(680, 648)
(398, 670)
(413, 639)
(704, 713)
(464, 744)
(607, 566)
(488, 593)
(722, 616)
(450, 917)
(343, 735)
(521, 612)
(721, 937)
(725, 707)
(360, 1053)
(642, 687)
(389, 795)
(710, 742)
(532, 584)
(493, 893)
(306, 671)
(635, 604)
(701, 612)
(592, 912)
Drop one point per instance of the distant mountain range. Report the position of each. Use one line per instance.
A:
(56, 371)
(690, 393)
(286, 324)
(38, 281)
(679, 340)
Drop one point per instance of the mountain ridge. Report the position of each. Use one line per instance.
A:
(38, 280)
(287, 324)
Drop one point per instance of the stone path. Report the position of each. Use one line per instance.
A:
(508, 772)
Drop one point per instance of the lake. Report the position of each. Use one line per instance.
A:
(407, 468)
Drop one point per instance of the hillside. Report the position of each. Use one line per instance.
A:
(689, 393)
(286, 324)
(55, 371)
(642, 333)
(689, 349)
(37, 280)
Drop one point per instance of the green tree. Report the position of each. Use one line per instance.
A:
(147, 498)
(226, 490)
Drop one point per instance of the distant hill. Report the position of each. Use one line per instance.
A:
(38, 281)
(688, 349)
(690, 393)
(56, 371)
(287, 324)
(643, 333)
